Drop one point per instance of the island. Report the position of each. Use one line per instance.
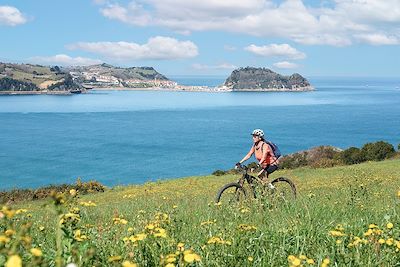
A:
(21, 79)
(263, 79)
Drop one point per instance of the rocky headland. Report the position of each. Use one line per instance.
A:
(263, 79)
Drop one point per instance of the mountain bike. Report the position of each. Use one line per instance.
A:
(280, 189)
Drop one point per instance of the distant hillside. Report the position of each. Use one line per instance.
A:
(262, 79)
(29, 77)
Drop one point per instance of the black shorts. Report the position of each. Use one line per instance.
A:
(271, 168)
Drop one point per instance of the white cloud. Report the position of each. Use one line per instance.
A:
(378, 39)
(225, 66)
(65, 60)
(285, 65)
(11, 16)
(157, 48)
(276, 50)
(334, 24)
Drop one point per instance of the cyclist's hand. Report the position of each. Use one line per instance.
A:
(238, 165)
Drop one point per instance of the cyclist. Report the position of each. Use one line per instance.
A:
(264, 154)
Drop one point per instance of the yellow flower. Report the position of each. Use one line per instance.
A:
(371, 226)
(36, 252)
(174, 206)
(381, 241)
(310, 261)
(4, 239)
(114, 258)
(170, 265)
(150, 226)
(291, 258)
(128, 264)
(250, 258)
(9, 232)
(72, 192)
(41, 228)
(181, 246)
(160, 233)
(389, 225)
(296, 262)
(14, 261)
(398, 193)
(189, 258)
(336, 233)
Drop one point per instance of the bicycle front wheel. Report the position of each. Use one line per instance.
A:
(232, 193)
(284, 190)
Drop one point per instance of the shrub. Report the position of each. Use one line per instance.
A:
(352, 155)
(219, 173)
(377, 151)
(294, 161)
(44, 192)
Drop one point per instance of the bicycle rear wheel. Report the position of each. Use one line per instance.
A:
(232, 193)
(284, 191)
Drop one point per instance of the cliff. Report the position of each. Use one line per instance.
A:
(263, 79)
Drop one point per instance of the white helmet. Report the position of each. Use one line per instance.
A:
(258, 132)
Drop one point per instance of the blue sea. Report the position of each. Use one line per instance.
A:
(125, 137)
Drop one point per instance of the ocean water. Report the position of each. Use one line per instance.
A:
(125, 137)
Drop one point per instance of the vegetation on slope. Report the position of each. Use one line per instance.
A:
(344, 216)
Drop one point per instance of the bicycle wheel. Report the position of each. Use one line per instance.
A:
(285, 190)
(232, 193)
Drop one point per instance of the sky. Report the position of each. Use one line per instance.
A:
(209, 37)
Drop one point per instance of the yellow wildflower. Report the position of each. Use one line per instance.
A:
(250, 258)
(389, 225)
(160, 232)
(9, 232)
(114, 258)
(336, 233)
(296, 262)
(36, 252)
(381, 241)
(310, 261)
(72, 192)
(181, 246)
(41, 228)
(150, 226)
(170, 265)
(4, 239)
(14, 261)
(128, 264)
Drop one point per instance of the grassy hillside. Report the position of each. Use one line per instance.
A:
(344, 216)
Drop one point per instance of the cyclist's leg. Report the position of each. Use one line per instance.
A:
(267, 171)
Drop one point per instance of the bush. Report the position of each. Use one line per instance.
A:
(219, 173)
(377, 151)
(44, 192)
(295, 160)
(398, 147)
(352, 155)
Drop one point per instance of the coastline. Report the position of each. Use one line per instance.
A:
(218, 89)
(179, 88)
(36, 93)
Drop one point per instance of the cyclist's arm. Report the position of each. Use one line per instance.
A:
(248, 155)
(266, 150)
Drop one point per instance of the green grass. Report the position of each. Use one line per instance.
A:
(347, 199)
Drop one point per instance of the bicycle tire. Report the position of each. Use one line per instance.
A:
(280, 180)
(229, 186)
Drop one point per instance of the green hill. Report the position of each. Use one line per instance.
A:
(344, 216)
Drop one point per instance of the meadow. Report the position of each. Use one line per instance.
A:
(343, 216)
